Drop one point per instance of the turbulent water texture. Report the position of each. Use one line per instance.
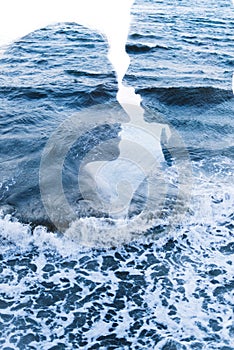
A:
(170, 288)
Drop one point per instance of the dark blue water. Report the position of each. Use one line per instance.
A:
(150, 286)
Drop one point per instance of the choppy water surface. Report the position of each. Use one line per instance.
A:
(164, 287)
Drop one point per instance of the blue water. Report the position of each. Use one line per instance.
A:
(105, 285)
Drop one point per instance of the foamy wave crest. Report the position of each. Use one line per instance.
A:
(19, 237)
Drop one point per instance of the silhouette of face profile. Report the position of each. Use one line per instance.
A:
(110, 17)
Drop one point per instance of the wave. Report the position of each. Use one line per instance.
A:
(23, 92)
(141, 48)
(84, 94)
(188, 96)
(141, 35)
(77, 73)
(173, 96)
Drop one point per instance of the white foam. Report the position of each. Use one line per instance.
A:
(83, 234)
(15, 231)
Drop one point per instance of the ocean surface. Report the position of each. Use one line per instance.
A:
(139, 283)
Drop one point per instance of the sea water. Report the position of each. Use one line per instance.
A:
(152, 284)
